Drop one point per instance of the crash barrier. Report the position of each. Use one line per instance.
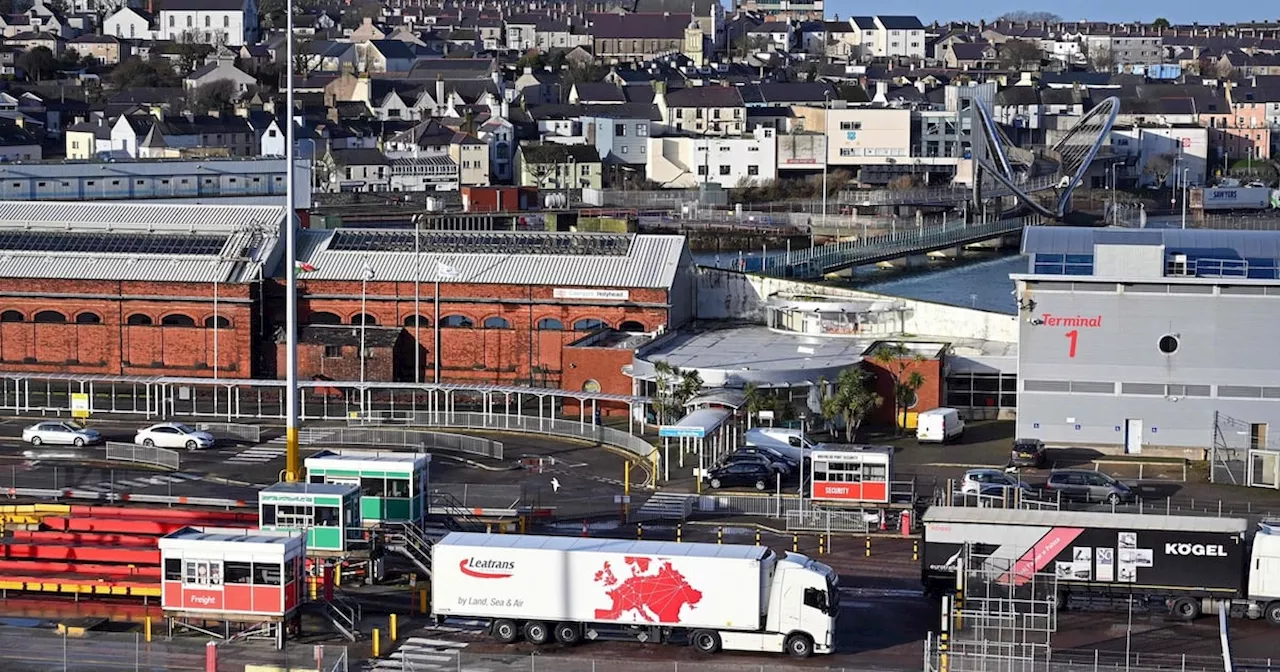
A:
(128, 452)
(92, 495)
(235, 431)
(409, 438)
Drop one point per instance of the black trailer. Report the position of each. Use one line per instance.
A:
(1090, 554)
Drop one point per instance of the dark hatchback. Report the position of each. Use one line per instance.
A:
(1028, 453)
(753, 474)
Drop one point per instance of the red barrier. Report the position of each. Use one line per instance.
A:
(187, 516)
(116, 525)
(68, 579)
(90, 538)
(108, 554)
(9, 567)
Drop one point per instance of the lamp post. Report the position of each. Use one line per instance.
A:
(293, 460)
(366, 274)
(1186, 190)
(826, 137)
(446, 271)
(417, 300)
(216, 328)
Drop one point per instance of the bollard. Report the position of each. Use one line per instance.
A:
(915, 551)
(868, 547)
(884, 520)
(392, 628)
(720, 536)
(757, 537)
(422, 601)
(146, 628)
(488, 528)
(210, 656)
(584, 528)
(679, 533)
(337, 574)
(639, 530)
(795, 543)
(822, 547)
(377, 642)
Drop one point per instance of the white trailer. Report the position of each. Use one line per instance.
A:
(713, 596)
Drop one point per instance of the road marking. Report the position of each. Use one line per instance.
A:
(257, 455)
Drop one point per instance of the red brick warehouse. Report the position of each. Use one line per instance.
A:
(509, 302)
(124, 289)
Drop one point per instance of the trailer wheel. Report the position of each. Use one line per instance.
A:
(760, 486)
(715, 484)
(799, 646)
(568, 633)
(705, 641)
(1186, 609)
(536, 632)
(505, 631)
(1273, 613)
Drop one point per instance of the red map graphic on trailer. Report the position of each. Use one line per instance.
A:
(654, 591)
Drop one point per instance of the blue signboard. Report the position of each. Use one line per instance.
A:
(677, 432)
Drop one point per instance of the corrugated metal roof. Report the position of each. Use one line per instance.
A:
(1215, 242)
(597, 545)
(252, 234)
(148, 216)
(204, 167)
(651, 262)
(1132, 521)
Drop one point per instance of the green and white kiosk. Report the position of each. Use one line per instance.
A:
(328, 512)
(393, 486)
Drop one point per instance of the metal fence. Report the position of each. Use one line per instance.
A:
(541, 425)
(1092, 660)
(233, 430)
(405, 661)
(41, 650)
(128, 452)
(362, 434)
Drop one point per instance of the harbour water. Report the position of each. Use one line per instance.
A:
(981, 283)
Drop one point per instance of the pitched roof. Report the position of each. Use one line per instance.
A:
(599, 92)
(202, 5)
(900, 22)
(638, 26)
(705, 96)
(392, 49)
(359, 157)
(556, 153)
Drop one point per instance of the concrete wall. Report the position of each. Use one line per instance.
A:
(1116, 371)
(728, 295)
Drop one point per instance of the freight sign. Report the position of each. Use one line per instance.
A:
(592, 294)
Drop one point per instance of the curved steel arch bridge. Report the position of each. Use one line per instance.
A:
(1073, 154)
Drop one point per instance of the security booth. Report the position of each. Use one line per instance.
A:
(852, 474)
(329, 513)
(393, 486)
(247, 580)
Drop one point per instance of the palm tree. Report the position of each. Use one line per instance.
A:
(895, 359)
(674, 389)
(851, 399)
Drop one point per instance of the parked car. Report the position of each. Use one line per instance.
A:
(773, 454)
(60, 433)
(1028, 453)
(173, 435)
(1088, 486)
(990, 482)
(776, 466)
(740, 473)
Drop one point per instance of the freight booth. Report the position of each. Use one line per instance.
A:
(393, 486)
(249, 581)
(852, 474)
(329, 513)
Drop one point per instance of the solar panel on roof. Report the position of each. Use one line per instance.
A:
(482, 242)
(111, 243)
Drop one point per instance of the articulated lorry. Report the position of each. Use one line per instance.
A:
(1190, 564)
(566, 589)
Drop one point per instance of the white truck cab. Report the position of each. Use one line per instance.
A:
(1264, 571)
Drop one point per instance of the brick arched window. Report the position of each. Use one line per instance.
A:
(323, 318)
(457, 322)
(12, 316)
(631, 326)
(88, 317)
(218, 322)
(589, 324)
(177, 320)
(50, 317)
(138, 319)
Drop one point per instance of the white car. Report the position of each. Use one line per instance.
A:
(989, 482)
(173, 435)
(60, 433)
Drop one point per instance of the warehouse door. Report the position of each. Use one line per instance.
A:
(1133, 436)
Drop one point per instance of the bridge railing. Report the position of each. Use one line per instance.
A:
(816, 261)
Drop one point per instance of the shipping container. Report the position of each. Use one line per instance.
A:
(565, 588)
(1193, 564)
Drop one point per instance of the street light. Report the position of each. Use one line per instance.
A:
(1186, 190)
(447, 272)
(366, 274)
(293, 460)
(826, 137)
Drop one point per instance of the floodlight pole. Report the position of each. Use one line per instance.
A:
(293, 460)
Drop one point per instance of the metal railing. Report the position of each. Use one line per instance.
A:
(824, 520)
(233, 430)
(815, 262)
(474, 445)
(940, 195)
(128, 452)
(540, 425)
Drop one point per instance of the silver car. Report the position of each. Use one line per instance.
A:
(60, 433)
(1089, 486)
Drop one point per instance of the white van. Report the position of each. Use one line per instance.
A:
(940, 425)
(790, 442)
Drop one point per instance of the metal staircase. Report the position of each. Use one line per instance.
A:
(453, 514)
(342, 612)
(411, 542)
